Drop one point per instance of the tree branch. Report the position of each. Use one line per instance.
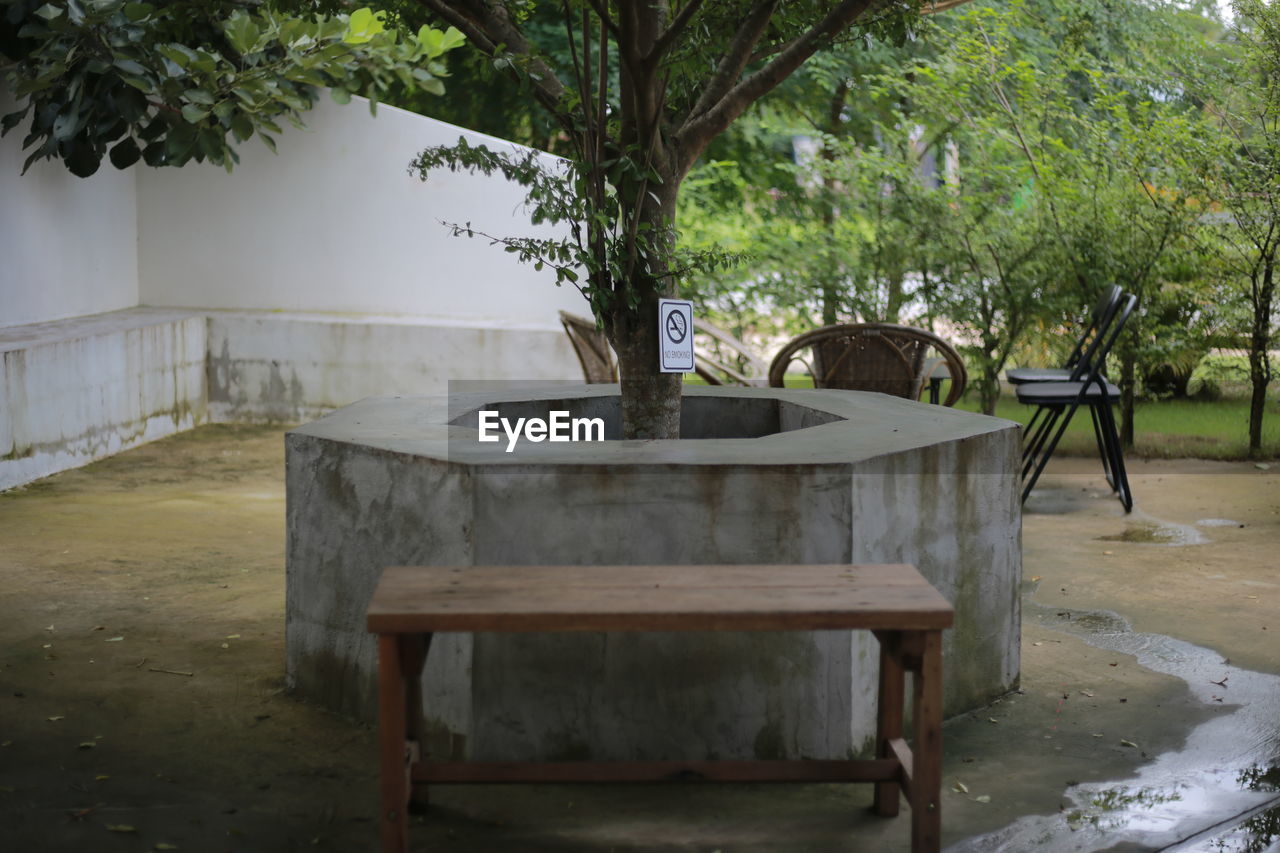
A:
(722, 103)
(488, 26)
(668, 36)
(735, 57)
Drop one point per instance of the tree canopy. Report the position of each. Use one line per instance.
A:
(171, 82)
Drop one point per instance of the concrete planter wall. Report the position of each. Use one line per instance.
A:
(775, 477)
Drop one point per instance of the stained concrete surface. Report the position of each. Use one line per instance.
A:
(118, 579)
(400, 481)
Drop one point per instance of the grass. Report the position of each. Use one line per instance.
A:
(1165, 429)
(1168, 429)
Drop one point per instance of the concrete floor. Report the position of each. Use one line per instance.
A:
(141, 701)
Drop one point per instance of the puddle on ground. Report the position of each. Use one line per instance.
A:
(1220, 792)
(1158, 533)
(1218, 522)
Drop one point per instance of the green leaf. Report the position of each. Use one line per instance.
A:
(241, 31)
(179, 54)
(363, 25)
(241, 127)
(125, 153)
(339, 95)
(453, 37)
(10, 121)
(154, 154)
(138, 83)
(194, 113)
(199, 96)
(136, 12)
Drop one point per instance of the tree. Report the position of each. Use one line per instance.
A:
(1102, 146)
(1244, 100)
(172, 82)
(685, 72)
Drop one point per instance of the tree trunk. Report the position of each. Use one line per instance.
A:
(1259, 354)
(989, 394)
(1128, 375)
(650, 398)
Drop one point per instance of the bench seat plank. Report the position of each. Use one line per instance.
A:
(425, 599)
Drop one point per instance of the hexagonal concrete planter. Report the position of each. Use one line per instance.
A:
(766, 476)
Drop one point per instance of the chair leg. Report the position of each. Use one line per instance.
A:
(1116, 456)
(1102, 440)
(1032, 436)
(1042, 457)
(1036, 442)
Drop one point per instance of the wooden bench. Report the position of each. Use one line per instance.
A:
(906, 614)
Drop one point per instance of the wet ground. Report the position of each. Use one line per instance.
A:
(141, 701)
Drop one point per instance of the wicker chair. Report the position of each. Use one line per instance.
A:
(725, 360)
(884, 357)
(594, 353)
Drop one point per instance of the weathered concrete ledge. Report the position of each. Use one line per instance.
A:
(76, 390)
(776, 477)
(72, 391)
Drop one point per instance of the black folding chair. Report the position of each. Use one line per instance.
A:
(1057, 403)
(1099, 320)
(1077, 363)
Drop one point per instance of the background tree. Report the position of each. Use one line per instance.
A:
(1243, 98)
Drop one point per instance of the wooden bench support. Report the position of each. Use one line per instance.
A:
(906, 615)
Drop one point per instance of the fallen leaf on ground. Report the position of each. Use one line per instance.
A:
(982, 798)
(1128, 743)
(114, 640)
(233, 636)
(120, 827)
(992, 720)
(101, 777)
(55, 719)
(960, 787)
(88, 744)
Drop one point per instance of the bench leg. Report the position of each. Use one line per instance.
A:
(889, 709)
(413, 652)
(392, 749)
(926, 749)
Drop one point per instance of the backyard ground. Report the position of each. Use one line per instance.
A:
(142, 704)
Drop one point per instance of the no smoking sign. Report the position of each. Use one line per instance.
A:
(675, 336)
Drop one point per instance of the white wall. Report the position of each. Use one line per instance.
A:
(298, 283)
(335, 223)
(68, 245)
